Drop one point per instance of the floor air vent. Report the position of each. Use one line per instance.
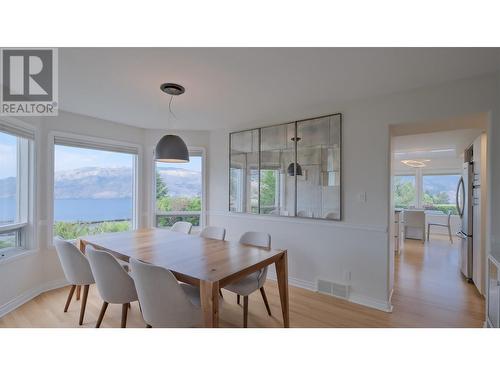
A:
(333, 289)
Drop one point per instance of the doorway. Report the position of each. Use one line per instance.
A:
(432, 245)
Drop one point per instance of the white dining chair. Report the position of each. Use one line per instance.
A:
(182, 227)
(77, 271)
(415, 224)
(114, 284)
(255, 281)
(165, 302)
(440, 224)
(214, 233)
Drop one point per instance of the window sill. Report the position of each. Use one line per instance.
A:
(10, 254)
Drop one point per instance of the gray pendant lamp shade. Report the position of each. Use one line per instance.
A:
(292, 169)
(171, 149)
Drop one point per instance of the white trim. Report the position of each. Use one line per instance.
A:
(374, 303)
(300, 221)
(12, 227)
(30, 294)
(138, 162)
(17, 128)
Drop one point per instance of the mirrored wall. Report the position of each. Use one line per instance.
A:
(288, 170)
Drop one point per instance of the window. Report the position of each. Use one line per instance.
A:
(405, 191)
(439, 192)
(94, 188)
(15, 168)
(179, 189)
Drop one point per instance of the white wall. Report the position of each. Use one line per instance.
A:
(359, 244)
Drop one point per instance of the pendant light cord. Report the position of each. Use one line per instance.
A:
(170, 106)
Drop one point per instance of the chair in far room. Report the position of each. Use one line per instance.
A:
(440, 224)
(182, 227)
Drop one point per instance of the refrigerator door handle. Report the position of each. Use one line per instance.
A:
(460, 188)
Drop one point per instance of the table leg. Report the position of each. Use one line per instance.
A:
(282, 276)
(209, 296)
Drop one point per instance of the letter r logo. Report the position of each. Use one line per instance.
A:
(27, 75)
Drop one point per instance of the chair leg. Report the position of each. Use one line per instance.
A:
(124, 315)
(245, 311)
(449, 233)
(101, 314)
(70, 295)
(84, 302)
(264, 297)
(238, 299)
(148, 326)
(428, 231)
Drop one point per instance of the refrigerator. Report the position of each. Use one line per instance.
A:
(464, 200)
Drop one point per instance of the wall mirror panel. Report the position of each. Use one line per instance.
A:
(291, 169)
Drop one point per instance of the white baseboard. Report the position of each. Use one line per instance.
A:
(359, 299)
(374, 303)
(30, 294)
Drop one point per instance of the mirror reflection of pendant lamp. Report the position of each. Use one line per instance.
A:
(294, 168)
(171, 148)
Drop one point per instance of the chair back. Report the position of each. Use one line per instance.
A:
(259, 239)
(215, 233)
(163, 302)
(182, 227)
(114, 283)
(414, 218)
(74, 263)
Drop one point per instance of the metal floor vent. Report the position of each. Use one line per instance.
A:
(333, 289)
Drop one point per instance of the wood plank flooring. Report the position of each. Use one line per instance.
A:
(429, 292)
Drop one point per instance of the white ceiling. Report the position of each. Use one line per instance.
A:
(235, 88)
(438, 150)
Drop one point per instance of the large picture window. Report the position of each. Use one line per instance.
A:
(179, 188)
(15, 182)
(94, 190)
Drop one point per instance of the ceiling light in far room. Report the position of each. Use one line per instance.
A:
(415, 163)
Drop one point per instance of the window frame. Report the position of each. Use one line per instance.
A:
(100, 144)
(23, 227)
(196, 151)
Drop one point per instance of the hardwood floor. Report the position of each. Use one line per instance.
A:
(429, 292)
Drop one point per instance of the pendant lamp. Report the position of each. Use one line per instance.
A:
(171, 148)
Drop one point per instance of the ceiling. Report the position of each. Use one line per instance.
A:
(235, 88)
(438, 150)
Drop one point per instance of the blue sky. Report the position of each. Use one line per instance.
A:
(67, 158)
(8, 155)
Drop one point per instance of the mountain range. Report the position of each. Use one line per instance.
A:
(98, 183)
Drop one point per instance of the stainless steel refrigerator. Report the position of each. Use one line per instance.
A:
(465, 199)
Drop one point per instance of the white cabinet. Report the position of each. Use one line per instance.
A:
(493, 304)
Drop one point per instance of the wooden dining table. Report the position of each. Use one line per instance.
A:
(207, 263)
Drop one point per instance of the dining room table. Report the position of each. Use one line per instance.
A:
(206, 263)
